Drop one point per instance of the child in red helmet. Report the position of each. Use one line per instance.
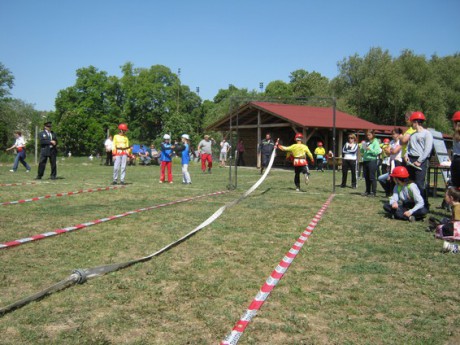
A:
(320, 153)
(406, 203)
(120, 152)
(299, 153)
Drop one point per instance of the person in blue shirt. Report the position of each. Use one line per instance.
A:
(166, 158)
(183, 150)
(144, 155)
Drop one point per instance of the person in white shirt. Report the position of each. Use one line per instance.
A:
(108, 149)
(224, 148)
(20, 146)
(349, 152)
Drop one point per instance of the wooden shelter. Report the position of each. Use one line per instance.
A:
(254, 119)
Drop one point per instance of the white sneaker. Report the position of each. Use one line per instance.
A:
(450, 247)
(297, 190)
(161, 181)
(28, 171)
(11, 170)
(306, 178)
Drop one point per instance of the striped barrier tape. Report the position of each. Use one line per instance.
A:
(273, 279)
(59, 195)
(16, 184)
(97, 221)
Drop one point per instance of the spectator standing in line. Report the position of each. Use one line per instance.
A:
(349, 159)
(120, 150)
(455, 163)
(205, 150)
(418, 153)
(370, 150)
(108, 144)
(266, 147)
(166, 150)
(240, 153)
(224, 148)
(48, 150)
(20, 146)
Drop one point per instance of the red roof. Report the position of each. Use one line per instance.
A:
(316, 117)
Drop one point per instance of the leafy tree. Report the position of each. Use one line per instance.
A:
(278, 89)
(6, 81)
(305, 84)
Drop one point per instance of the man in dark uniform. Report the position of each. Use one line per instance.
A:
(266, 147)
(48, 149)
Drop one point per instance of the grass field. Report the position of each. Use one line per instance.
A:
(360, 279)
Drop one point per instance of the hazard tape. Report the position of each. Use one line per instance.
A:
(16, 184)
(59, 195)
(97, 221)
(273, 279)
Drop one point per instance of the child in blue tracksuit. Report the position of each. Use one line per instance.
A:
(184, 151)
(166, 158)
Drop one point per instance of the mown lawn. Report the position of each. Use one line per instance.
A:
(360, 279)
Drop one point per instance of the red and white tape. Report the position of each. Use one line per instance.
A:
(97, 221)
(275, 277)
(58, 195)
(16, 184)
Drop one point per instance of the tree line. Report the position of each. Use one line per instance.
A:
(376, 87)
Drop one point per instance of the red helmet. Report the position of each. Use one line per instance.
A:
(400, 172)
(386, 141)
(298, 136)
(123, 127)
(456, 116)
(417, 115)
(320, 143)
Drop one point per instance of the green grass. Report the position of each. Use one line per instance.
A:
(360, 279)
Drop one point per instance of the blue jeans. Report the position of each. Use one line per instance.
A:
(20, 157)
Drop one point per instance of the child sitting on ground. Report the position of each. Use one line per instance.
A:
(406, 203)
(449, 229)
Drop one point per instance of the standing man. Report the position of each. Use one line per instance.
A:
(266, 147)
(48, 149)
(108, 149)
(240, 152)
(205, 150)
(120, 152)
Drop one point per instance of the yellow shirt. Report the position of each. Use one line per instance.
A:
(410, 131)
(320, 151)
(298, 150)
(120, 143)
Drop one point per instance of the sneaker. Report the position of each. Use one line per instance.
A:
(170, 181)
(122, 183)
(209, 170)
(371, 195)
(12, 170)
(161, 181)
(411, 219)
(306, 178)
(37, 178)
(114, 182)
(297, 189)
(365, 194)
(28, 171)
(450, 247)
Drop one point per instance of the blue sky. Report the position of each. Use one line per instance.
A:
(214, 43)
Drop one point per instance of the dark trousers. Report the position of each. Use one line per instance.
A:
(42, 165)
(240, 160)
(399, 212)
(418, 176)
(349, 165)
(108, 159)
(298, 171)
(455, 171)
(369, 171)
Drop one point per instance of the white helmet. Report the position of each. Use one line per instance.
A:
(166, 137)
(185, 136)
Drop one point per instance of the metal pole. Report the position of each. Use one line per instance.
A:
(36, 144)
(333, 143)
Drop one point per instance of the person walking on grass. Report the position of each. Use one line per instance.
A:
(166, 150)
(205, 151)
(20, 146)
(299, 152)
(224, 148)
(48, 150)
(370, 151)
(183, 150)
(406, 203)
(120, 151)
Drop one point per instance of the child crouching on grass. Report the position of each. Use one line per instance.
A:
(406, 203)
(449, 229)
